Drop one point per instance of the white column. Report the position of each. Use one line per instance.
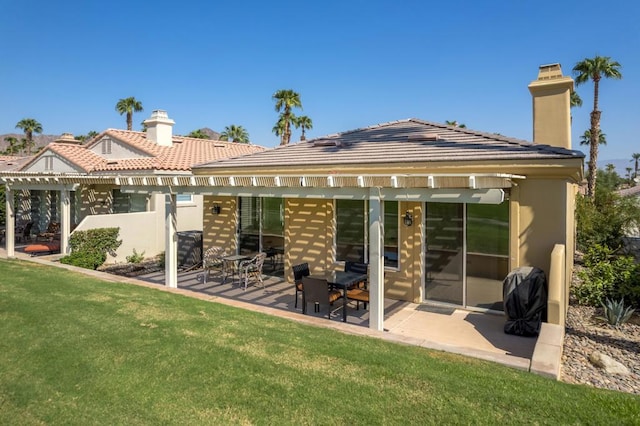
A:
(65, 220)
(10, 222)
(171, 242)
(376, 260)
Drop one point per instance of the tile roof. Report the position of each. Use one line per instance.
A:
(634, 190)
(12, 162)
(409, 140)
(184, 153)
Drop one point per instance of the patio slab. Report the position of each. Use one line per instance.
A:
(473, 334)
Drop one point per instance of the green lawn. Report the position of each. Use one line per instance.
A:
(76, 350)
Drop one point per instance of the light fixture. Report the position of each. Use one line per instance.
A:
(216, 209)
(408, 219)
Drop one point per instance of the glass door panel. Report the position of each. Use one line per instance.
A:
(487, 254)
(444, 254)
(249, 225)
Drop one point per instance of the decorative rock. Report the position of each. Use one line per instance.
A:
(610, 365)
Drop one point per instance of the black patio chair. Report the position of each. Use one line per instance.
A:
(317, 291)
(359, 267)
(300, 271)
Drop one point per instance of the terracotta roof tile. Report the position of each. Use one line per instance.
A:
(185, 153)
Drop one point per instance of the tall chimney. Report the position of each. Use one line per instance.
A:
(551, 94)
(159, 128)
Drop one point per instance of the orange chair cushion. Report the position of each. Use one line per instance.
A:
(358, 294)
(50, 246)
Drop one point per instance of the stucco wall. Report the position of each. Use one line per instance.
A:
(220, 229)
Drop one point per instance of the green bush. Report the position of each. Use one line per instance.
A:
(89, 248)
(85, 259)
(135, 257)
(604, 219)
(608, 276)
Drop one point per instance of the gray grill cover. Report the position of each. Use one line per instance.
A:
(525, 301)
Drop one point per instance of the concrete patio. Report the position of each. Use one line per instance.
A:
(449, 329)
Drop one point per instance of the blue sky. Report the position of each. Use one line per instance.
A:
(354, 63)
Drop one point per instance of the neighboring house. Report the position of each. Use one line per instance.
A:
(85, 180)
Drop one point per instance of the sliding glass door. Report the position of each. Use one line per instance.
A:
(444, 255)
(467, 254)
(261, 228)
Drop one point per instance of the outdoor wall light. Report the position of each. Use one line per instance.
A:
(216, 209)
(408, 219)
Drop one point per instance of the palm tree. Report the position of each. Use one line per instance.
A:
(13, 146)
(235, 133)
(304, 123)
(129, 106)
(594, 69)
(285, 100)
(575, 100)
(585, 138)
(454, 123)
(636, 158)
(29, 126)
(198, 134)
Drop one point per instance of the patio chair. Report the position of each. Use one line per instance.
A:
(212, 259)
(359, 295)
(252, 269)
(359, 267)
(53, 231)
(317, 291)
(300, 271)
(25, 235)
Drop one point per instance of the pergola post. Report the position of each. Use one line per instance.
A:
(65, 220)
(171, 242)
(376, 260)
(10, 222)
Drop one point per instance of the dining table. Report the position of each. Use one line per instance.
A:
(231, 262)
(343, 281)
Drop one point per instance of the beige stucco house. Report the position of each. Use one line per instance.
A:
(441, 214)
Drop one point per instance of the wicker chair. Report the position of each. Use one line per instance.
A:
(317, 291)
(300, 271)
(212, 260)
(52, 232)
(252, 269)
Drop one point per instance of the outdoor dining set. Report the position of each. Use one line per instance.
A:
(324, 289)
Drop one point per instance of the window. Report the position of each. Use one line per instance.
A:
(48, 162)
(128, 203)
(106, 146)
(351, 239)
(184, 198)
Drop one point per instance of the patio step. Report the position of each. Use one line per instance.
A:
(547, 355)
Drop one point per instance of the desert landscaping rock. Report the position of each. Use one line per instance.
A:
(608, 364)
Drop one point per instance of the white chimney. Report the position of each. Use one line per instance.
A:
(551, 94)
(159, 128)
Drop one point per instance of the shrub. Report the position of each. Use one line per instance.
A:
(604, 219)
(89, 248)
(607, 276)
(615, 313)
(135, 257)
(84, 259)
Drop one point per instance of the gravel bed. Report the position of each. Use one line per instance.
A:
(586, 333)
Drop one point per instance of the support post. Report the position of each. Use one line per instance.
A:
(376, 260)
(10, 222)
(65, 220)
(171, 242)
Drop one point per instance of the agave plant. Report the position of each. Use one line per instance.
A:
(615, 313)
